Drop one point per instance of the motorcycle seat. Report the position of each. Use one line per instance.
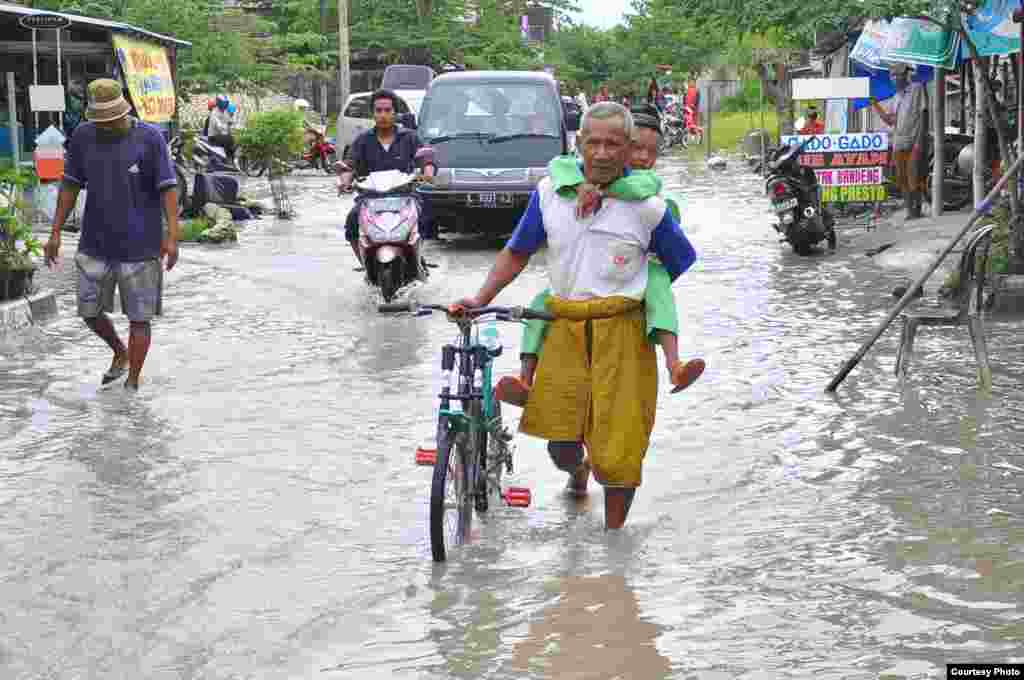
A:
(219, 150)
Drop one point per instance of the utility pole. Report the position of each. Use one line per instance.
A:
(343, 75)
(323, 52)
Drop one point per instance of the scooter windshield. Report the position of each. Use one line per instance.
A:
(383, 181)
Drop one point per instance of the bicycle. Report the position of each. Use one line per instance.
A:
(473, 445)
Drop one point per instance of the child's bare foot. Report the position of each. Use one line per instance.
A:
(579, 480)
(512, 390)
(684, 375)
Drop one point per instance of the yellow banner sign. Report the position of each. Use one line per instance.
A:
(147, 71)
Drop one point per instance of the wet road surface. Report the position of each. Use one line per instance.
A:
(254, 512)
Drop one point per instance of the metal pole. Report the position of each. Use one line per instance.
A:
(979, 211)
(980, 130)
(12, 113)
(939, 132)
(60, 118)
(35, 80)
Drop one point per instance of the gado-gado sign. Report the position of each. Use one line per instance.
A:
(850, 168)
(147, 71)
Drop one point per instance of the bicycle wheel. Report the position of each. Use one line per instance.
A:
(451, 508)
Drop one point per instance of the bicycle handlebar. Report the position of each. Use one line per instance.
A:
(512, 313)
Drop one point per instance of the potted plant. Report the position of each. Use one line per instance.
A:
(17, 244)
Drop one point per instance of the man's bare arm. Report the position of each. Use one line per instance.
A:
(65, 204)
(505, 270)
(170, 205)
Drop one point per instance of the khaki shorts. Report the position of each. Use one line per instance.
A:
(140, 285)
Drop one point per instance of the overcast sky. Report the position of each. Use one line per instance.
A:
(602, 13)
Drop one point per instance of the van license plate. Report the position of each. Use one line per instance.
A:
(486, 199)
(784, 205)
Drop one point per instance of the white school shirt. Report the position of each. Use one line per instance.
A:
(602, 255)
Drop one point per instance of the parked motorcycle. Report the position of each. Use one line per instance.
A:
(674, 130)
(796, 199)
(694, 133)
(389, 237)
(177, 147)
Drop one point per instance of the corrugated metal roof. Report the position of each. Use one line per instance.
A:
(7, 8)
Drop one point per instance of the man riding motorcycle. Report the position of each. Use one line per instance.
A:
(384, 147)
(221, 122)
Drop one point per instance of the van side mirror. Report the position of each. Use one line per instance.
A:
(407, 120)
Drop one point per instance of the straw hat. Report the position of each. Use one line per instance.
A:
(106, 102)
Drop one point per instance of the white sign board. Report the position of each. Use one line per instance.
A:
(860, 141)
(831, 88)
(46, 97)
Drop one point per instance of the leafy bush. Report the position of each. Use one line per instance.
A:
(746, 100)
(272, 136)
(191, 229)
(17, 244)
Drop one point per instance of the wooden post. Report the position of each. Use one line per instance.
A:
(939, 132)
(343, 58)
(707, 131)
(12, 113)
(963, 96)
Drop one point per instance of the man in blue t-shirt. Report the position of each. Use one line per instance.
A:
(126, 167)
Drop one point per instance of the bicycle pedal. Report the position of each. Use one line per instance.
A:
(426, 455)
(518, 496)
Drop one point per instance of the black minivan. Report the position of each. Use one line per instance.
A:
(493, 134)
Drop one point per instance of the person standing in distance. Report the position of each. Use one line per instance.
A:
(126, 167)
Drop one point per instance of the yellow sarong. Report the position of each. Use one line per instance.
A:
(597, 382)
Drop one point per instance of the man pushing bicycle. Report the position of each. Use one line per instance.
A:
(596, 382)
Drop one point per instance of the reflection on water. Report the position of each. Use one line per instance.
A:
(593, 630)
(255, 512)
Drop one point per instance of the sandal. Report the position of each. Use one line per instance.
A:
(684, 375)
(512, 390)
(113, 374)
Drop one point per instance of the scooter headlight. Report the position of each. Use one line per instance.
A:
(389, 227)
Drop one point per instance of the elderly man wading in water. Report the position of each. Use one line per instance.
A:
(597, 380)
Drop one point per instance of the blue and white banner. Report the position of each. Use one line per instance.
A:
(870, 48)
(992, 29)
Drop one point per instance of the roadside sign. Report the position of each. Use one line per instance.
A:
(850, 167)
(44, 22)
(831, 88)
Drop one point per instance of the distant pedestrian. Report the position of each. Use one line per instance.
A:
(653, 92)
(910, 136)
(126, 167)
(602, 95)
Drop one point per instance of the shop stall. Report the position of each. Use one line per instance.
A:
(49, 58)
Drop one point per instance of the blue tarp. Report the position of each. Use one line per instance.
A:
(881, 87)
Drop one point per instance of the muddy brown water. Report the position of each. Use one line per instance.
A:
(255, 512)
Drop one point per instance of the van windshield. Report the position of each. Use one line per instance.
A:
(497, 109)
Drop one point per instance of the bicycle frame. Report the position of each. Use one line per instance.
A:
(474, 357)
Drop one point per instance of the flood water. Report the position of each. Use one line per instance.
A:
(254, 512)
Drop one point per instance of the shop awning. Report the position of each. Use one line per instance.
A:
(114, 26)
